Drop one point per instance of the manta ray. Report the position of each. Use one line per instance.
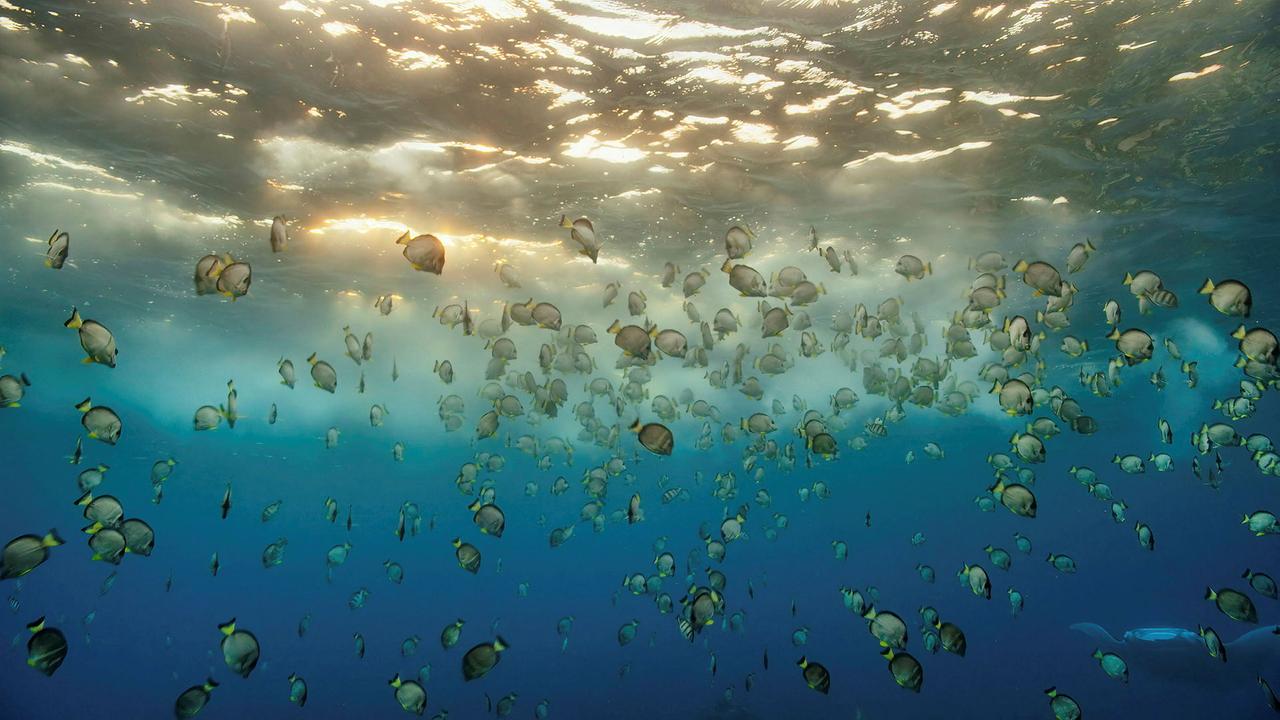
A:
(1180, 654)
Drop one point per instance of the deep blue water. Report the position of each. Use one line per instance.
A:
(1176, 176)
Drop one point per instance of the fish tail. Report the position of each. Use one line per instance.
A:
(75, 321)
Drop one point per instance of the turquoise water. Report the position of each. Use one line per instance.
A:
(157, 134)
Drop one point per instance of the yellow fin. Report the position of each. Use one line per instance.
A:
(74, 322)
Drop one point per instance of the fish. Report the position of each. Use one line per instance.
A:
(1041, 277)
(1261, 583)
(100, 422)
(279, 236)
(97, 341)
(633, 340)
(481, 659)
(139, 537)
(240, 649)
(1229, 297)
(297, 690)
(737, 242)
(411, 696)
(59, 247)
(25, 553)
(912, 268)
(233, 278)
(287, 374)
(323, 374)
(583, 232)
(655, 437)
(425, 253)
(905, 669)
(468, 556)
(1078, 256)
(507, 274)
(194, 699)
(1064, 707)
(13, 389)
(815, 674)
(489, 519)
(1113, 665)
(977, 579)
(1233, 603)
(207, 270)
(991, 261)
(694, 282)
(744, 278)
(46, 649)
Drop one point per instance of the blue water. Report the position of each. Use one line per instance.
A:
(96, 140)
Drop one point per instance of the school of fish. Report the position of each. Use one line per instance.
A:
(536, 355)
